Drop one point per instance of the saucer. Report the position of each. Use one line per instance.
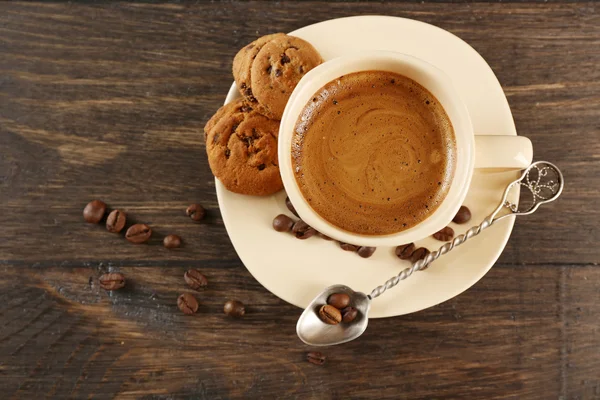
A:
(297, 270)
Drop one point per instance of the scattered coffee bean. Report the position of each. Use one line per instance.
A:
(299, 226)
(444, 234)
(290, 207)
(310, 232)
(234, 308)
(187, 303)
(330, 315)
(94, 211)
(112, 281)
(302, 230)
(349, 314)
(195, 279)
(419, 254)
(172, 241)
(196, 212)
(348, 247)
(405, 251)
(315, 357)
(138, 233)
(283, 223)
(338, 300)
(366, 252)
(463, 215)
(116, 221)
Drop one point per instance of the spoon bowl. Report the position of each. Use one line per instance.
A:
(312, 331)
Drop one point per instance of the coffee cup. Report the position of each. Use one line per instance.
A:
(472, 150)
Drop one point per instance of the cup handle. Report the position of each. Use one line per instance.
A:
(501, 151)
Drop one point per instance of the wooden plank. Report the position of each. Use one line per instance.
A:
(522, 332)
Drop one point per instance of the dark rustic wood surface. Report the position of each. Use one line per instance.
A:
(108, 101)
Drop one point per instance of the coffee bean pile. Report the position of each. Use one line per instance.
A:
(95, 210)
(300, 229)
(338, 309)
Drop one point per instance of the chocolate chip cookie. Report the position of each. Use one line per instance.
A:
(268, 72)
(242, 149)
(242, 64)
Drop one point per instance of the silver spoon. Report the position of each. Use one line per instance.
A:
(544, 182)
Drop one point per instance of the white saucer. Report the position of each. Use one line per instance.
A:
(297, 270)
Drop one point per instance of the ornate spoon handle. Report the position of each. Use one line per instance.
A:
(545, 182)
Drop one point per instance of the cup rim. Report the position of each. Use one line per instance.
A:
(406, 65)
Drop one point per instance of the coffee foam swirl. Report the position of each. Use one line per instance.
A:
(373, 153)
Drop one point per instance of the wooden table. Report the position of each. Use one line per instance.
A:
(109, 101)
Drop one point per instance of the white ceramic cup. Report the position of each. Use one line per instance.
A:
(506, 152)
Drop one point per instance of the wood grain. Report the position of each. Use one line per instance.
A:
(522, 332)
(109, 100)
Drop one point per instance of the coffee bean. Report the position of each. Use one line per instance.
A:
(94, 211)
(419, 254)
(290, 207)
(349, 314)
(404, 251)
(282, 223)
(116, 221)
(187, 303)
(112, 281)
(315, 357)
(234, 308)
(196, 212)
(195, 279)
(302, 230)
(330, 315)
(366, 252)
(310, 232)
(138, 233)
(299, 226)
(172, 241)
(444, 234)
(348, 247)
(463, 215)
(338, 300)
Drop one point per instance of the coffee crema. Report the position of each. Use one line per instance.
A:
(374, 153)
